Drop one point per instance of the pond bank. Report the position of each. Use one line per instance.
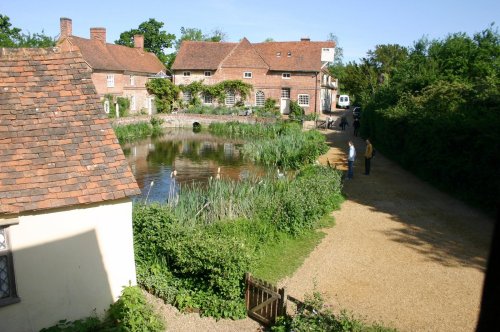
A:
(187, 120)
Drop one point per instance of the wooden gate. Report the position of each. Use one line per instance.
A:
(264, 301)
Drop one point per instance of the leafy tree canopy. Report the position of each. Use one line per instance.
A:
(13, 37)
(156, 40)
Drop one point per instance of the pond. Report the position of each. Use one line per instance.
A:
(194, 156)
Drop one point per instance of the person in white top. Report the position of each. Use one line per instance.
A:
(350, 161)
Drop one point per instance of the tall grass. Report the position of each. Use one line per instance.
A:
(193, 251)
(281, 144)
(136, 131)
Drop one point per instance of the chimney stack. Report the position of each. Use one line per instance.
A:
(305, 39)
(98, 34)
(66, 27)
(139, 41)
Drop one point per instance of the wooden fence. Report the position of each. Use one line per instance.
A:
(265, 302)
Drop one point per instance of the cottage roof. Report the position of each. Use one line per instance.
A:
(293, 56)
(194, 55)
(300, 56)
(111, 57)
(57, 147)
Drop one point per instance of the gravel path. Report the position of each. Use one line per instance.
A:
(401, 253)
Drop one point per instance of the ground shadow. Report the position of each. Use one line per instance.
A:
(439, 227)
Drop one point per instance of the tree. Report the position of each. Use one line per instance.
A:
(339, 51)
(189, 34)
(156, 40)
(36, 40)
(9, 37)
(13, 37)
(166, 94)
(268, 39)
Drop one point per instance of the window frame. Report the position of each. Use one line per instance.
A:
(110, 80)
(247, 74)
(289, 92)
(207, 72)
(230, 95)
(286, 76)
(132, 80)
(257, 98)
(133, 103)
(186, 73)
(206, 97)
(303, 95)
(7, 252)
(187, 96)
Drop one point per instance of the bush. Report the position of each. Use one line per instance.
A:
(313, 316)
(130, 313)
(195, 258)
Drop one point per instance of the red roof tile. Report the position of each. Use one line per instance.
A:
(304, 55)
(201, 55)
(57, 148)
(109, 57)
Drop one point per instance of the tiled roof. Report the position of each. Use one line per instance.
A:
(304, 55)
(201, 55)
(110, 57)
(243, 55)
(57, 147)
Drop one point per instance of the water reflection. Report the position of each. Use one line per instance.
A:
(195, 156)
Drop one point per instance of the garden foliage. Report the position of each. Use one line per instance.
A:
(282, 144)
(435, 109)
(313, 316)
(194, 253)
(131, 313)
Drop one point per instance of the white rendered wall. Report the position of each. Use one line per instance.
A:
(68, 263)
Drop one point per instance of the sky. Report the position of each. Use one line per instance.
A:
(359, 25)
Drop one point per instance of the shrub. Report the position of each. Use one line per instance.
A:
(129, 313)
(313, 316)
(132, 313)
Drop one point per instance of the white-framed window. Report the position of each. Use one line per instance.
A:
(208, 73)
(285, 93)
(260, 99)
(303, 100)
(186, 73)
(8, 292)
(286, 76)
(132, 80)
(230, 98)
(247, 74)
(278, 54)
(186, 96)
(106, 106)
(110, 80)
(133, 104)
(207, 98)
(289, 54)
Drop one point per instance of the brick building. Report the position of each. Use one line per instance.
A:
(117, 70)
(282, 71)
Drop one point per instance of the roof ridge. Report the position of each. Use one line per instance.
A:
(243, 40)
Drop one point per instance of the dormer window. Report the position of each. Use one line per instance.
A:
(289, 54)
(278, 54)
(186, 74)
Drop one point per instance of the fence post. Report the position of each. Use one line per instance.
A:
(282, 301)
(248, 275)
